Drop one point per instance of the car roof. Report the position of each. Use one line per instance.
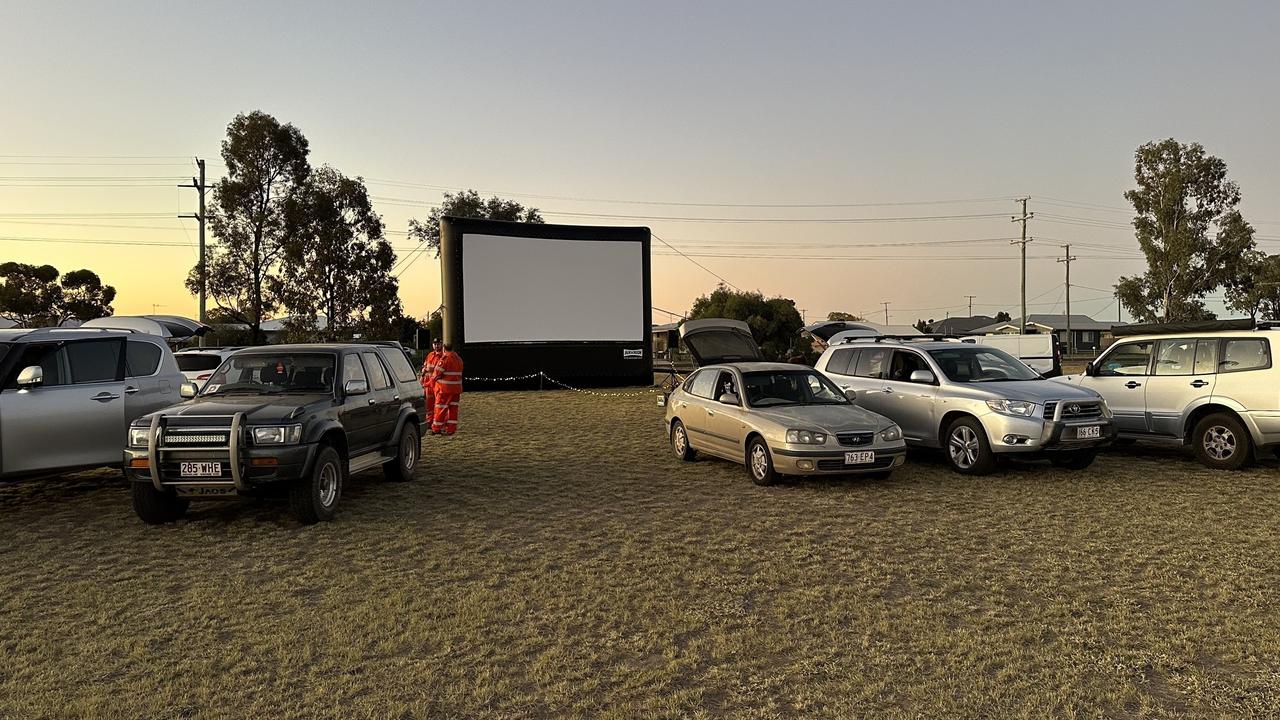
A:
(36, 334)
(307, 347)
(1208, 333)
(757, 366)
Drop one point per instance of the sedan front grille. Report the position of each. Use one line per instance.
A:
(854, 439)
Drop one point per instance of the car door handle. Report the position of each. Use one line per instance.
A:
(130, 390)
(1131, 384)
(1199, 383)
(105, 397)
(372, 401)
(710, 412)
(396, 398)
(888, 390)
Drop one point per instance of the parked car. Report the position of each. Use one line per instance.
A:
(975, 401)
(68, 395)
(1216, 390)
(198, 363)
(1040, 352)
(775, 418)
(299, 419)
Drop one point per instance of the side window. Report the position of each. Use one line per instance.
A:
(141, 359)
(399, 365)
(726, 384)
(689, 381)
(842, 362)
(1244, 354)
(94, 361)
(704, 384)
(1127, 359)
(51, 359)
(871, 362)
(1206, 357)
(352, 369)
(906, 362)
(1175, 357)
(377, 374)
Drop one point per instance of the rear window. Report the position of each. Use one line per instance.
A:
(841, 362)
(197, 362)
(1244, 354)
(141, 359)
(399, 364)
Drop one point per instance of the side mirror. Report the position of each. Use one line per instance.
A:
(1088, 370)
(729, 399)
(851, 394)
(31, 377)
(188, 390)
(356, 387)
(924, 377)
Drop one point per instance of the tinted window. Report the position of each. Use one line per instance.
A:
(704, 384)
(352, 369)
(51, 359)
(377, 374)
(1206, 357)
(197, 362)
(399, 365)
(871, 362)
(842, 362)
(905, 363)
(1250, 354)
(141, 359)
(94, 361)
(1175, 357)
(1127, 359)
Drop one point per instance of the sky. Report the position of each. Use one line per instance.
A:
(689, 118)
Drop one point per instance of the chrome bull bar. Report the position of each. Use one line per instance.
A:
(155, 451)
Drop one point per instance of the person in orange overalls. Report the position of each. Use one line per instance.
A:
(429, 366)
(447, 381)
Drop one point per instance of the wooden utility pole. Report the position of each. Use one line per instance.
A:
(886, 312)
(971, 297)
(198, 184)
(1071, 342)
(1022, 322)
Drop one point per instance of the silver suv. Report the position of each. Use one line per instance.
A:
(67, 396)
(1217, 390)
(976, 401)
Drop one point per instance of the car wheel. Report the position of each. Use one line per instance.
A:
(680, 443)
(968, 449)
(1075, 460)
(1222, 443)
(157, 507)
(760, 463)
(314, 498)
(406, 462)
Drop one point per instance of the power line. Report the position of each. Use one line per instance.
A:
(695, 262)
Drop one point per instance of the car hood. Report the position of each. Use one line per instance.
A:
(832, 418)
(1036, 390)
(257, 409)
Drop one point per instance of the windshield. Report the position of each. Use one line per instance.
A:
(981, 364)
(268, 374)
(791, 387)
(195, 362)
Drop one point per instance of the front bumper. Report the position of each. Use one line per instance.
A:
(831, 461)
(1033, 434)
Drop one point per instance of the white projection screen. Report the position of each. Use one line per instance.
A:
(538, 290)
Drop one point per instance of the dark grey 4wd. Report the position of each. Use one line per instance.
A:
(293, 419)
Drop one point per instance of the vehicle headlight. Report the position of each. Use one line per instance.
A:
(806, 437)
(138, 436)
(1019, 408)
(277, 435)
(891, 433)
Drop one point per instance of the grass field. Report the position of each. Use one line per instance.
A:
(553, 560)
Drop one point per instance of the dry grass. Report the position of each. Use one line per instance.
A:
(553, 560)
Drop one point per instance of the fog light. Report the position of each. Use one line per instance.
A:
(261, 461)
(804, 464)
(139, 463)
(1015, 439)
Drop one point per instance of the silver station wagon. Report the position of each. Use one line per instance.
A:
(775, 418)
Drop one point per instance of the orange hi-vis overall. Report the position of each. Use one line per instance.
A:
(448, 386)
(429, 366)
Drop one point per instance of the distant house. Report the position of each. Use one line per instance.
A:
(273, 329)
(666, 341)
(1086, 331)
(961, 325)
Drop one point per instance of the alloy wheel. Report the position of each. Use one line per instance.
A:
(1219, 442)
(964, 447)
(680, 441)
(759, 462)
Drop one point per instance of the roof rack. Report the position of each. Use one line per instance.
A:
(930, 337)
(1178, 328)
(52, 330)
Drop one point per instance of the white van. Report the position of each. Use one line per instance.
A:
(1040, 352)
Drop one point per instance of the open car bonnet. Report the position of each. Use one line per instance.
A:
(719, 340)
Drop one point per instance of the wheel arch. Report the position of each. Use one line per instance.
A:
(746, 444)
(952, 416)
(1203, 411)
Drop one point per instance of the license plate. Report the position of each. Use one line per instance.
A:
(859, 458)
(1089, 432)
(200, 469)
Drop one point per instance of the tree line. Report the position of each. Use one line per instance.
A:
(40, 295)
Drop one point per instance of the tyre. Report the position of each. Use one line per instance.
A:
(680, 443)
(401, 469)
(760, 463)
(1075, 460)
(314, 498)
(967, 448)
(157, 507)
(1221, 442)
